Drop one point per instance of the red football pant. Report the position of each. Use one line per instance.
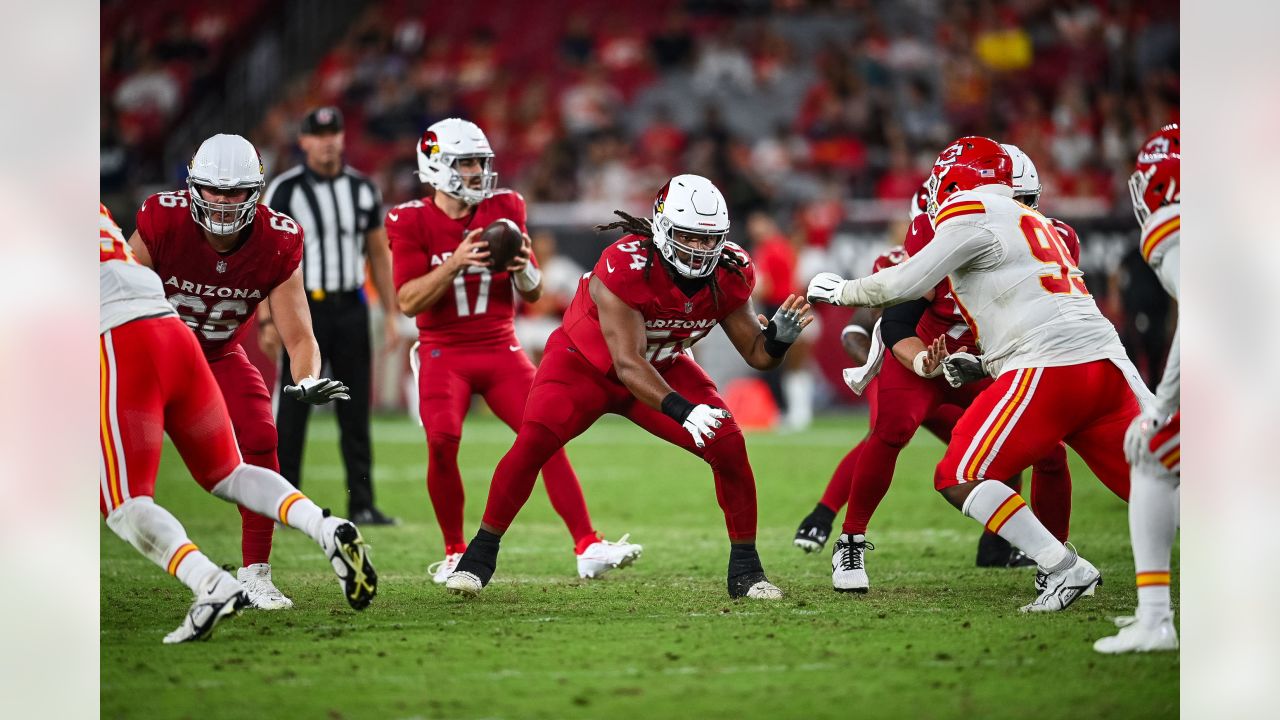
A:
(569, 395)
(905, 401)
(154, 379)
(249, 404)
(447, 378)
(1025, 414)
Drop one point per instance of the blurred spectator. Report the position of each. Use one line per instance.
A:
(590, 104)
(153, 89)
(560, 276)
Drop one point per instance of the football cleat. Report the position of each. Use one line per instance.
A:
(464, 583)
(349, 557)
(1063, 587)
(754, 586)
(993, 550)
(602, 556)
(848, 564)
(221, 596)
(440, 569)
(813, 532)
(1140, 635)
(1018, 559)
(263, 594)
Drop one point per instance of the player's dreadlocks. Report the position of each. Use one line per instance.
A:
(633, 225)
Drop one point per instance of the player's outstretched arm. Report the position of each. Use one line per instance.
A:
(292, 319)
(763, 342)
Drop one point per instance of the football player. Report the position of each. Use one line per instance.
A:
(1062, 374)
(154, 379)
(624, 348)
(219, 253)
(466, 337)
(1153, 442)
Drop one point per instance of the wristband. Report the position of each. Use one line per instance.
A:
(918, 365)
(676, 407)
(527, 278)
(854, 330)
(776, 348)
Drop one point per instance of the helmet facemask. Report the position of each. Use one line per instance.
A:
(223, 218)
(459, 186)
(689, 260)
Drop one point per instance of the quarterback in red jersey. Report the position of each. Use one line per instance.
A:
(154, 380)
(624, 348)
(219, 253)
(466, 337)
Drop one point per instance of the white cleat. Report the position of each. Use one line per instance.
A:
(464, 583)
(848, 563)
(764, 590)
(1064, 587)
(221, 596)
(263, 594)
(602, 556)
(1138, 635)
(441, 569)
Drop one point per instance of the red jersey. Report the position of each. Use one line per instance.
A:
(481, 307)
(673, 320)
(215, 293)
(893, 256)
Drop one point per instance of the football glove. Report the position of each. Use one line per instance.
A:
(1137, 438)
(702, 423)
(961, 368)
(825, 287)
(317, 392)
(786, 326)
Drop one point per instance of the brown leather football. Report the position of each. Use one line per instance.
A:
(504, 240)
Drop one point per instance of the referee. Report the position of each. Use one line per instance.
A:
(340, 211)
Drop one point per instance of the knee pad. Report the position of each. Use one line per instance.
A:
(257, 439)
(443, 448)
(725, 450)
(894, 432)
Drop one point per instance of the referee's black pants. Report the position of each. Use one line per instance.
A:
(341, 325)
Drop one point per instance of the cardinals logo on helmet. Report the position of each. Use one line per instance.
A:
(661, 201)
(430, 144)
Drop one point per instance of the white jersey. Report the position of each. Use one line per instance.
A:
(1161, 248)
(1014, 282)
(127, 290)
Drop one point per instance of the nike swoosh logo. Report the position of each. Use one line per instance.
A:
(914, 230)
(394, 217)
(513, 348)
(608, 265)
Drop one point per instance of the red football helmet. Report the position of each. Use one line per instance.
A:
(1156, 178)
(968, 163)
(920, 201)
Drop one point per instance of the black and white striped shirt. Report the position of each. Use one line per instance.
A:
(335, 213)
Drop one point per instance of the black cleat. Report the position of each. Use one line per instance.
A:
(350, 560)
(994, 551)
(371, 516)
(814, 530)
(753, 585)
(475, 569)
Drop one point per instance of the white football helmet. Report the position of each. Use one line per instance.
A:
(691, 204)
(442, 145)
(225, 162)
(1026, 181)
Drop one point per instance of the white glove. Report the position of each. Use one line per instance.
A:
(702, 422)
(317, 392)
(1137, 438)
(961, 368)
(825, 287)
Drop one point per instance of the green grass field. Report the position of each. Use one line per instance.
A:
(935, 638)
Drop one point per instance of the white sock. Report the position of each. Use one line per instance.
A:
(797, 388)
(158, 535)
(1004, 512)
(1153, 522)
(269, 494)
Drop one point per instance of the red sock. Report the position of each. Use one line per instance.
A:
(256, 530)
(1051, 493)
(517, 471)
(871, 478)
(566, 498)
(837, 492)
(444, 486)
(735, 485)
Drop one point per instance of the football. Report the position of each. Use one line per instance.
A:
(504, 238)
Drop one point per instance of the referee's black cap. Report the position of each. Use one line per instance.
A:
(322, 120)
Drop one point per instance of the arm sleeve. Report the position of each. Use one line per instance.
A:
(899, 322)
(1168, 393)
(956, 244)
(375, 206)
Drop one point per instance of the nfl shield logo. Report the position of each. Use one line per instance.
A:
(688, 306)
(221, 266)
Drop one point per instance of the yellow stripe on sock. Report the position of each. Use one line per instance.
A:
(1149, 579)
(286, 504)
(180, 555)
(1011, 505)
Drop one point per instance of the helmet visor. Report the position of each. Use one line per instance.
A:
(695, 253)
